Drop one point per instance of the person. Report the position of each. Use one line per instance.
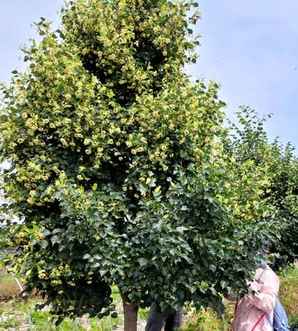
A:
(170, 319)
(254, 312)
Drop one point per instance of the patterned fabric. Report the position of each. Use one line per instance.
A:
(255, 311)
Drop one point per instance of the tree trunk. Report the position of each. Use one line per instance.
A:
(130, 315)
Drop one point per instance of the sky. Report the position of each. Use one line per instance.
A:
(249, 47)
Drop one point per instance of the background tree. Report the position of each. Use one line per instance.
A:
(118, 167)
(249, 141)
(283, 195)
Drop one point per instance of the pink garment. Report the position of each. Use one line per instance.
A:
(259, 306)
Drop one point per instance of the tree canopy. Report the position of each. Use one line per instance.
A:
(118, 165)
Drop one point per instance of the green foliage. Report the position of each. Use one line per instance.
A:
(118, 168)
(3, 238)
(205, 320)
(250, 143)
(284, 197)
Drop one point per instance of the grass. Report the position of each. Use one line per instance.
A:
(289, 293)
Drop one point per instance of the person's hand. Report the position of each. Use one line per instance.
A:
(254, 287)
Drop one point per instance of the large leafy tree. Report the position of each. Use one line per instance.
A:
(117, 166)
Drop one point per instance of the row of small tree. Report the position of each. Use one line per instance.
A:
(249, 141)
(124, 174)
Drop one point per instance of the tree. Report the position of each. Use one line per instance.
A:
(283, 195)
(249, 141)
(118, 169)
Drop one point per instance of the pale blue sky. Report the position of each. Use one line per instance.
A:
(249, 47)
